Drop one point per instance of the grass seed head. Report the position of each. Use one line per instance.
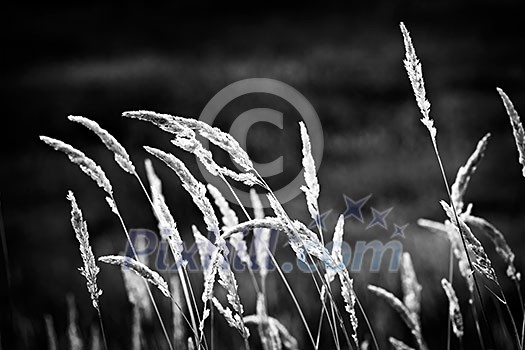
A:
(517, 127)
(111, 143)
(86, 164)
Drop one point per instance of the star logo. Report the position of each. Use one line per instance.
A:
(320, 221)
(353, 208)
(399, 231)
(379, 218)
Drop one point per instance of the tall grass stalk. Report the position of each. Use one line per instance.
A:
(414, 70)
(277, 207)
(95, 172)
(153, 302)
(156, 190)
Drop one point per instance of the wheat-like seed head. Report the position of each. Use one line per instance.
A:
(311, 190)
(86, 164)
(348, 294)
(499, 241)
(517, 127)
(192, 145)
(228, 281)
(453, 308)
(482, 262)
(195, 188)
(166, 223)
(221, 139)
(140, 269)
(204, 246)
(90, 269)
(415, 74)
(233, 320)
(165, 122)
(229, 218)
(464, 174)
(336, 255)
(210, 273)
(111, 143)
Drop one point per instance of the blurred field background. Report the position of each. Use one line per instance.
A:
(98, 60)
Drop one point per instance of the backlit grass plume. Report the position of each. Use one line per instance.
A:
(481, 263)
(185, 126)
(190, 144)
(517, 127)
(166, 223)
(140, 269)
(121, 156)
(195, 188)
(347, 284)
(234, 320)
(459, 187)
(220, 139)
(499, 241)
(86, 164)
(90, 269)
(415, 74)
(164, 122)
(311, 190)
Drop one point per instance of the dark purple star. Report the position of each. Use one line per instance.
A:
(379, 218)
(353, 208)
(399, 231)
(320, 220)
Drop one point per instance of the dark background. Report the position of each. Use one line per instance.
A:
(98, 60)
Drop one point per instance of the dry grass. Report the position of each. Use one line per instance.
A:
(194, 318)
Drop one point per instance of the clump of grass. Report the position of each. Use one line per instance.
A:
(308, 246)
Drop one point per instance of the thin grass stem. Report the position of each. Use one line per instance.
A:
(102, 331)
(146, 283)
(460, 231)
